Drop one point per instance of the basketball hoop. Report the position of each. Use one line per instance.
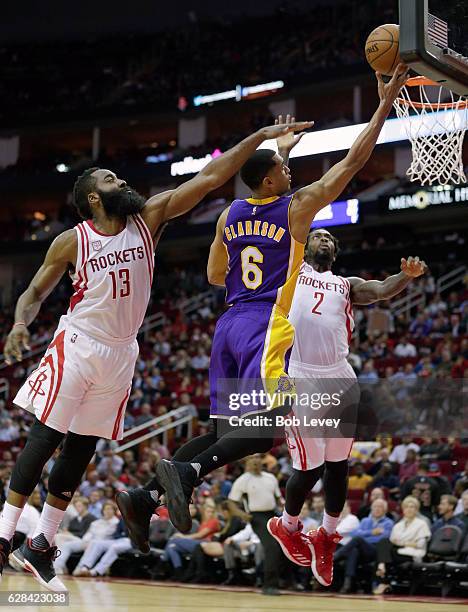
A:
(436, 128)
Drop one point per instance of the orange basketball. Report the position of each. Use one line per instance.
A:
(382, 48)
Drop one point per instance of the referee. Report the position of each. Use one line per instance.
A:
(262, 493)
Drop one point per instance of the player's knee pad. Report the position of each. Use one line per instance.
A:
(71, 464)
(41, 444)
(335, 484)
(337, 469)
(299, 486)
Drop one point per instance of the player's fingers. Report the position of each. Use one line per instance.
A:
(288, 118)
(276, 121)
(378, 76)
(293, 119)
(280, 118)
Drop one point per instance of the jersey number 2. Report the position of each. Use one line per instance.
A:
(124, 278)
(318, 295)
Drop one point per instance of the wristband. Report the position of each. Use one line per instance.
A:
(20, 323)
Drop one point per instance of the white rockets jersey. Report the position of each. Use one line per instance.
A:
(322, 315)
(112, 281)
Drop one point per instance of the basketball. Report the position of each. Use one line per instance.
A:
(382, 49)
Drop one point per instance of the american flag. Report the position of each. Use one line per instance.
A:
(437, 31)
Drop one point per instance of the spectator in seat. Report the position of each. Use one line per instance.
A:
(365, 509)
(405, 349)
(234, 521)
(387, 479)
(98, 530)
(308, 523)
(399, 453)
(91, 484)
(109, 462)
(101, 554)
(180, 544)
(347, 525)
(408, 541)
(359, 479)
(318, 507)
(424, 488)
(447, 516)
(96, 502)
(409, 468)
(78, 525)
(362, 546)
(145, 414)
(463, 516)
(9, 432)
(244, 542)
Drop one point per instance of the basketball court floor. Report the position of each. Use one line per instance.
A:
(89, 594)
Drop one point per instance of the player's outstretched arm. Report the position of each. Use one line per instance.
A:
(218, 259)
(367, 292)
(168, 205)
(309, 200)
(62, 252)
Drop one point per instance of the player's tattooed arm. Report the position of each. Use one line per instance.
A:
(171, 204)
(60, 256)
(309, 200)
(218, 259)
(368, 292)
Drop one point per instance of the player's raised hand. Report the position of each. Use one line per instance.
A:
(286, 142)
(17, 340)
(413, 266)
(282, 129)
(389, 91)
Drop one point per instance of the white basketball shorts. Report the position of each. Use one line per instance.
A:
(81, 385)
(309, 445)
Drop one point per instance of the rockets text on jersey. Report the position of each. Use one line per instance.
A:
(112, 281)
(322, 315)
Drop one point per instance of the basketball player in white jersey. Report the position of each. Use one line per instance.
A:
(322, 315)
(80, 389)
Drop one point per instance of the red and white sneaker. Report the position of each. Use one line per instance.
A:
(295, 545)
(322, 546)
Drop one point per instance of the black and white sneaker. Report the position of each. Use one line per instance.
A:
(37, 556)
(137, 507)
(4, 552)
(178, 480)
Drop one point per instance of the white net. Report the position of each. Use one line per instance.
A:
(436, 128)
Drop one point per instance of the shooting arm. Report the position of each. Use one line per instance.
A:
(218, 258)
(309, 200)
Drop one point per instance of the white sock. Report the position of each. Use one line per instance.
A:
(8, 520)
(289, 522)
(329, 523)
(49, 522)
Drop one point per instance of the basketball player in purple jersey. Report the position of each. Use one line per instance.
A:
(256, 255)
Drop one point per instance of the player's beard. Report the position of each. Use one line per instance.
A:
(323, 258)
(122, 202)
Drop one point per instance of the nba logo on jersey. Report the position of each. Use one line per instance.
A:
(97, 245)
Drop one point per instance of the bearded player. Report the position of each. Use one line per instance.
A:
(80, 389)
(322, 315)
(256, 255)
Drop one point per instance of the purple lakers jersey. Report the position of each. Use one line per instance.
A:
(264, 258)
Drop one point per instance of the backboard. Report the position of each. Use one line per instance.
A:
(434, 40)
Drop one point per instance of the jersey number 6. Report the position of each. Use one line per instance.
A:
(252, 276)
